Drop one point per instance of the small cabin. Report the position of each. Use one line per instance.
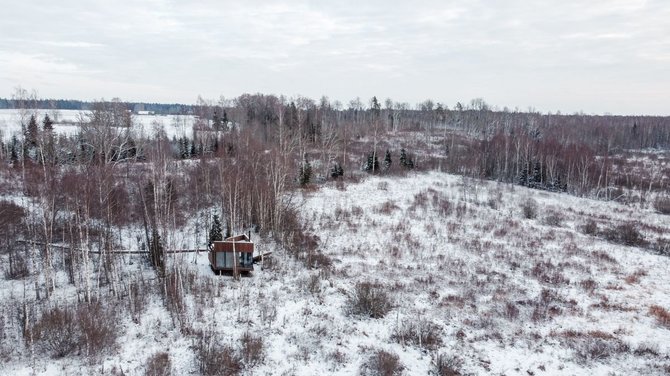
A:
(223, 255)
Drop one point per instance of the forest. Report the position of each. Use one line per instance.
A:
(71, 202)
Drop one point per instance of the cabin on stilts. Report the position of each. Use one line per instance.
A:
(233, 254)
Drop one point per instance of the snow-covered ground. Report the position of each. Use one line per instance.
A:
(459, 260)
(66, 122)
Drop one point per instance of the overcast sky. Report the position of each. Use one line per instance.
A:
(596, 56)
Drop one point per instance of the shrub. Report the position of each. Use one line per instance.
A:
(317, 260)
(56, 332)
(553, 219)
(159, 365)
(529, 209)
(662, 246)
(625, 234)
(593, 348)
(382, 363)
(447, 365)
(98, 327)
(590, 227)
(662, 315)
(662, 205)
(370, 300)
(215, 359)
(547, 272)
(252, 348)
(420, 333)
(88, 329)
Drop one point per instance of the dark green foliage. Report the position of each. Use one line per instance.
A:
(336, 171)
(405, 160)
(31, 132)
(184, 148)
(387, 160)
(371, 164)
(215, 233)
(305, 174)
(14, 149)
(47, 124)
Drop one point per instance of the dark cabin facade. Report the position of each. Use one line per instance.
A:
(235, 250)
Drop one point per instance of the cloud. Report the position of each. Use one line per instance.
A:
(449, 50)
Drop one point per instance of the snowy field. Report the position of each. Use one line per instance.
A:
(66, 121)
(473, 277)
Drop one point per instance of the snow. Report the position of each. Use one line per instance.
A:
(449, 250)
(66, 122)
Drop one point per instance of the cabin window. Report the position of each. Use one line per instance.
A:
(245, 258)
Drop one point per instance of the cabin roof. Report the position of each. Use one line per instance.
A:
(238, 238)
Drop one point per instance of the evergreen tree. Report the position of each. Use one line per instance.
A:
(194, 150)
(336, 171)
(13, 150)
(537, 181)
(31, 132)
(131, 149)
(405, 160)
(217, 121)
(387, 160)
(371, 164)
(184, 149)
(215, 233)
(47, 124)
(522, 179)
(305, 173)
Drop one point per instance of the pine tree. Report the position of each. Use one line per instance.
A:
(387, 160)
(215, 232)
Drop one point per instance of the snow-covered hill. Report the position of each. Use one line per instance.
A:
(481, 277)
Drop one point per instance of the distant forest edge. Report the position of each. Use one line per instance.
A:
(72, 104)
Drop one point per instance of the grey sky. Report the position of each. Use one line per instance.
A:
(569, 55)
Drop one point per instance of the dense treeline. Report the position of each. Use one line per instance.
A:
(78, 105)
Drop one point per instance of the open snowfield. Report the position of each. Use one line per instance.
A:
(66, 122)
(474, 281)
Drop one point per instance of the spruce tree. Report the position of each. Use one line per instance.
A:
(47, 124)
(387, 160)
(31, 131)
(305, 173)
(215, 233)
(371, 164)
(405, 160)
(217, 121)
(13, 149)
